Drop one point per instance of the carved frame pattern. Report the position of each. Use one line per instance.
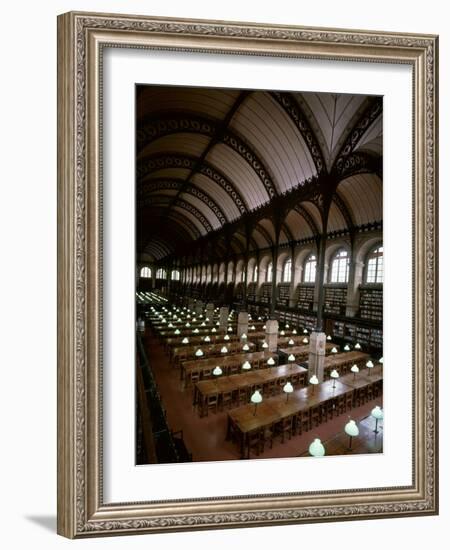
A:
(81, 511)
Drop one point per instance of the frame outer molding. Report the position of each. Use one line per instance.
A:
(80, 509)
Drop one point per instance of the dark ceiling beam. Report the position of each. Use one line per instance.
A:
(369, 115)
(169, 160)
(148, 188)
(184, 203)
(297, 116)
(308, 218)
(199, 162)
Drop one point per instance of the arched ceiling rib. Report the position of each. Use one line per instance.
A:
(213, 159)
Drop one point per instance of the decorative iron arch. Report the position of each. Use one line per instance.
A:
(193, 123)
(175, 160)
(287, 101)
(175, 184)
(308, 218)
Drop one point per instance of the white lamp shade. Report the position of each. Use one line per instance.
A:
(253, 327)
(351, 428)
(195, 330)
(346, 347)
(230, 329)
(380, 360)
(305, 340)
(377, 413)
(291, 342)
(357, 345)
(265, 345)
(207, 339)
(246, 366)
(287, 325)
(226, 337)
(203, 324)
(170, 325)
(188, 324)
(355, 368)
(294, 331)
(244, 336)
(264, 327)
(207, 319)
(369, 364)
(224, 350)
(245, 347)
(271, 361)
(259, 318)
(305, 331)
(214, 329)
(177, 331)
(291, 357)
(185, 340)
(164, 321)
(288, 388)
(282, 333)
(334, 374)
(217, 323)
(316, 448)
(199, 353)
(334, 350)
(329, 338)
(201, 316)
(314, 380)
(194, 319)
(256, 397)
(217, 371)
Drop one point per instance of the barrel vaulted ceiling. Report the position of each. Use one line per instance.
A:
(208, 158)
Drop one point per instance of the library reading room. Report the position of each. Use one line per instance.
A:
(259, 274)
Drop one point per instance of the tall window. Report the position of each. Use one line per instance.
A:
(375, 266)
(146, 273)
(287, 271)
(242, 276)
(161, 273)
(310, 269)
(269, 273)
(175, 275)
(339, 267)
(255, 274)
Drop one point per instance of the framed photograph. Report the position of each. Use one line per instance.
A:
(247, 283)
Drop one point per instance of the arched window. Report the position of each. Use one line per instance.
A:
(255, 274)
(269, 273)
(374, 272)
(175, 275)
(339, 267)
(287, 271)
(310, 269)
(146, 273)
(161, 273)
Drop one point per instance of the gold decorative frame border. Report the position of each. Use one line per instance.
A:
(81, 510)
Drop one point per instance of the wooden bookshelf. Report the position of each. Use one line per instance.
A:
(304, 296)
(284, 290)
(335, 299)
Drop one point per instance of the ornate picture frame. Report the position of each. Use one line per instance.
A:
(82, 511)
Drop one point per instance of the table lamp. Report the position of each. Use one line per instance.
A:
(351, 429)
(316, 448)
(256, 398)
(377, 413)
(288, 388)
(334, 375)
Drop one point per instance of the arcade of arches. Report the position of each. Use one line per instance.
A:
(259, 273)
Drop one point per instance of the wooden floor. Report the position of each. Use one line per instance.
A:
(205, 437)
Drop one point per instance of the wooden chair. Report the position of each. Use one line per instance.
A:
(302, 421)
(271, 388)
(254, 442)
(226, 400)
(266, 436)
(206, 374)
(316, 415)
(211, 402)
(242, 396)
(284, 427)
